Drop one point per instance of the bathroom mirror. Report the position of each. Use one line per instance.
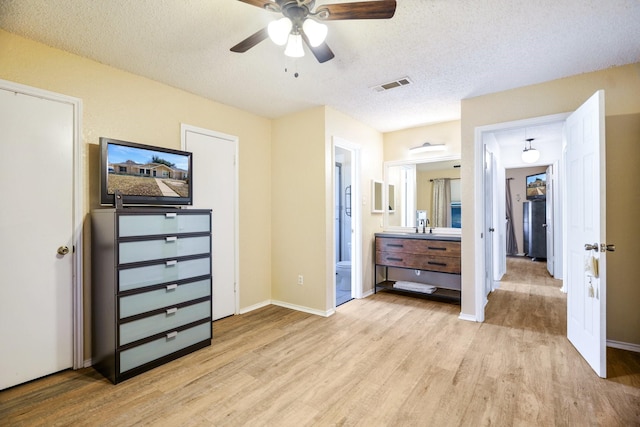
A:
(376, 196)
(425, 188)
(377, 199)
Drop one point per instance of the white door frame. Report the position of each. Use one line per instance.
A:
(77, 210)
(356, 222)
(184, 128)
(479, 225)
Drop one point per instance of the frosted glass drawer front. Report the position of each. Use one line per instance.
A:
(172, 318)
(169, 247)
(153, 350)
(133, 278)
(170, 295)
(170, 223)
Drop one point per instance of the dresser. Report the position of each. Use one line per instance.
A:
(418, 259)
(150, 287)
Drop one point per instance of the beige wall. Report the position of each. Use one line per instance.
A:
(622, 104)
(302, 187)
(397, 144)
(298, 221)
(125, 106)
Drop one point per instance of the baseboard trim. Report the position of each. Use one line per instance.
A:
(368, 293)
(624, 345)
(254, 307)
(303, 308)
(467, 317)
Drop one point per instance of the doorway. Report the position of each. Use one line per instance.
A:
(506, 142)
(346, 223)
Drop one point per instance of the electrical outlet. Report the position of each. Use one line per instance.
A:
(300, 279)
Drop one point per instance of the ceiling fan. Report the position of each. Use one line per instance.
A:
(301, 23)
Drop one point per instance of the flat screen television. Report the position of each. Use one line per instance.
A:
(144, 174)
(537, 186)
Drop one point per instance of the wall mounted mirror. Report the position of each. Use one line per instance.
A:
(426, 190)
(376, 196)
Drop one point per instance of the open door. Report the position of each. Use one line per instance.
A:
(488, 222)
(548, 223)
(586, 232)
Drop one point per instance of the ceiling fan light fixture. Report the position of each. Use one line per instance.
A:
(427, 146)
(294, 46)
(315, 31)
(530, 155)
(279, 30)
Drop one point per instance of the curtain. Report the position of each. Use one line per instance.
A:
(441, 202)
(512, 244)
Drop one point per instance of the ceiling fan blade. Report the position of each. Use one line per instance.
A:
(260, 3)
(322, 52)
(378, 9)
(250, 41)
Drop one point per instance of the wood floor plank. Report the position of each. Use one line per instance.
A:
(385, 360)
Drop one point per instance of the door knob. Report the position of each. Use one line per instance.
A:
(607, 248)
(492, 230)
(589, 247)
(63, 250)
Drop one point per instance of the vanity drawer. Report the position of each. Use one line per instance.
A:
(168, 247)
(166, 223)
(170, 271)
(419, 246)
(419, 262)
(171, 318)
(171, 294)
(172, 342)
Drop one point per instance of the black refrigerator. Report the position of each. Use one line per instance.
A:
(535, 228)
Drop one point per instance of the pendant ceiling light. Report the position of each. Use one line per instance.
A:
(530, 155)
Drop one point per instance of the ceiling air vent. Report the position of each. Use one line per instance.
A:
(404, 81)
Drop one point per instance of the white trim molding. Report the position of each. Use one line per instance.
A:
(624, 345)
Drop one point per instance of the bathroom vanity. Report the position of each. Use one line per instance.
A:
(420, 261)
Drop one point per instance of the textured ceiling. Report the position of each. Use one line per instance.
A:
(450, 49)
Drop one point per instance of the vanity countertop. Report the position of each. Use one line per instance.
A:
(422, 236)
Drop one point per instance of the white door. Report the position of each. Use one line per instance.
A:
(548, 223)
(586, 199)
(36, 295)
(215, 187)
(488, 221)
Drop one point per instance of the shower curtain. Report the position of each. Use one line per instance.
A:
(512, 243)
(441, 202)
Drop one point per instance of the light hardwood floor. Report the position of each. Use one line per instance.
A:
(387, 360)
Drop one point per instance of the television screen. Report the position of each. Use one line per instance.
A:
(144, 174)
(537, 186)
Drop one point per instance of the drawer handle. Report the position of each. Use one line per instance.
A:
(171, 335)
(442, 264)
(172, 287)
(395, 245)
(437, 249)
(395, 259)
(171, 239)
(170, 215)
(171, 263)
(173, 310)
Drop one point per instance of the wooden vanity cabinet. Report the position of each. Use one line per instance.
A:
(418, 259)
